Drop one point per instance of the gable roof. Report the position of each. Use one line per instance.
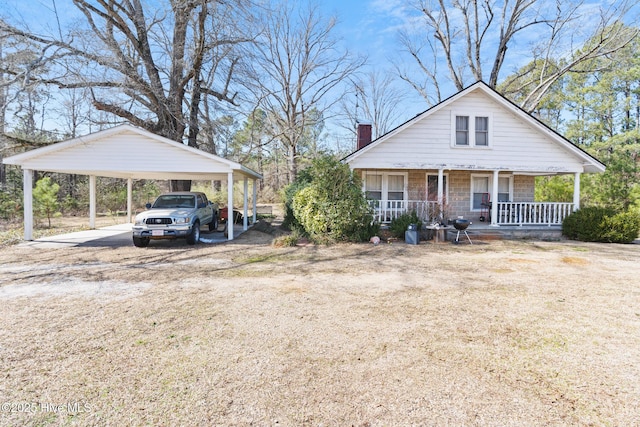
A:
(126, 151)
(590, 163)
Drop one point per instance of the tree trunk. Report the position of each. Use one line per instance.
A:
(292, 167)
(180, 185)
(3, 174)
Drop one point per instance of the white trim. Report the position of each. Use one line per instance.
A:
(23, 159)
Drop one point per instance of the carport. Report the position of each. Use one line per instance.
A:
(130, 153)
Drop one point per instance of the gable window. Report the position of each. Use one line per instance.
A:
(471, 131)
(462, 130)
(482, 131)
(386, 186)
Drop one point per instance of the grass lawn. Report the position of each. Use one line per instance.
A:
(497, 333)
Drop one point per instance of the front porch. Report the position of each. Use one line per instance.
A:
(519, 214)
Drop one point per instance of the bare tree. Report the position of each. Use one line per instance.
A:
(150, 67)
(298, 65)
(376, 99)
(473, 38)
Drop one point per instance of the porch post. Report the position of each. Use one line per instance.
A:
(92, 202)
(230, 220)
(27, 191)
(245, 220)
(129, 198)
(441, 192)
(576, 191)
(494, 199)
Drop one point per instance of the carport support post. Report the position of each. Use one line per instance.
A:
(92, 201)
(245, 220)
(230, 218)
(27, 191)
(255, 202)
(129, 198)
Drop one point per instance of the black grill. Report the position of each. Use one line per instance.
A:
(158, 221)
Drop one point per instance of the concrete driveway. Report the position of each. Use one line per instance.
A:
(115, 236)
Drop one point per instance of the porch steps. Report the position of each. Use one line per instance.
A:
(510, 233)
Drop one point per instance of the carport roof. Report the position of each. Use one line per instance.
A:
(126, 151)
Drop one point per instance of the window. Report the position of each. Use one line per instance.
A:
(373, 187)
(471, 131)
(396, 187)
(462, 130)
(432, 188)
(481, 184)
(385, 186)
(482, 131)
(504, 185)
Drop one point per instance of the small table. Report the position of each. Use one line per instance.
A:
(440, 234)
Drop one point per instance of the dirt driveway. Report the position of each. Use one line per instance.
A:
(499, 333)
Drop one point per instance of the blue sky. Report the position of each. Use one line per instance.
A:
(367, 27)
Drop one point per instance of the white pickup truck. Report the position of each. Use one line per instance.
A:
(175, 215)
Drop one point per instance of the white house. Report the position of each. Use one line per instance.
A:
(474, 155)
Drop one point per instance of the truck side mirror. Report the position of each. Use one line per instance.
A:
(148, 205)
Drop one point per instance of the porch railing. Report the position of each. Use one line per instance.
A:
(509, 213)
(533, 213)
(385, 211)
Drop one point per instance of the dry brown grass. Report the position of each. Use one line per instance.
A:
(497, 334)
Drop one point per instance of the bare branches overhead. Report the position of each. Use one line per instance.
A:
(148, 63)
(474, 37)
(299, 62)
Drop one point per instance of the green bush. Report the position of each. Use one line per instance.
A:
(400, 224)
(598, 224)
(303, 180)
(621, 228)
(332, 206)
(10, 205)
(45, 198)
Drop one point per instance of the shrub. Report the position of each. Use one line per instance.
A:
(288, 240)
(621, 228)
(303, 180)
(400, 224)
(598, 224)
(45, 198)
(10, 205)
(332, 206)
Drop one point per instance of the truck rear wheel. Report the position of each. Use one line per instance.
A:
(213, 225)
(194, 236)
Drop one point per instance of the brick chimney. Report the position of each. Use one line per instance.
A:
(364, 135)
